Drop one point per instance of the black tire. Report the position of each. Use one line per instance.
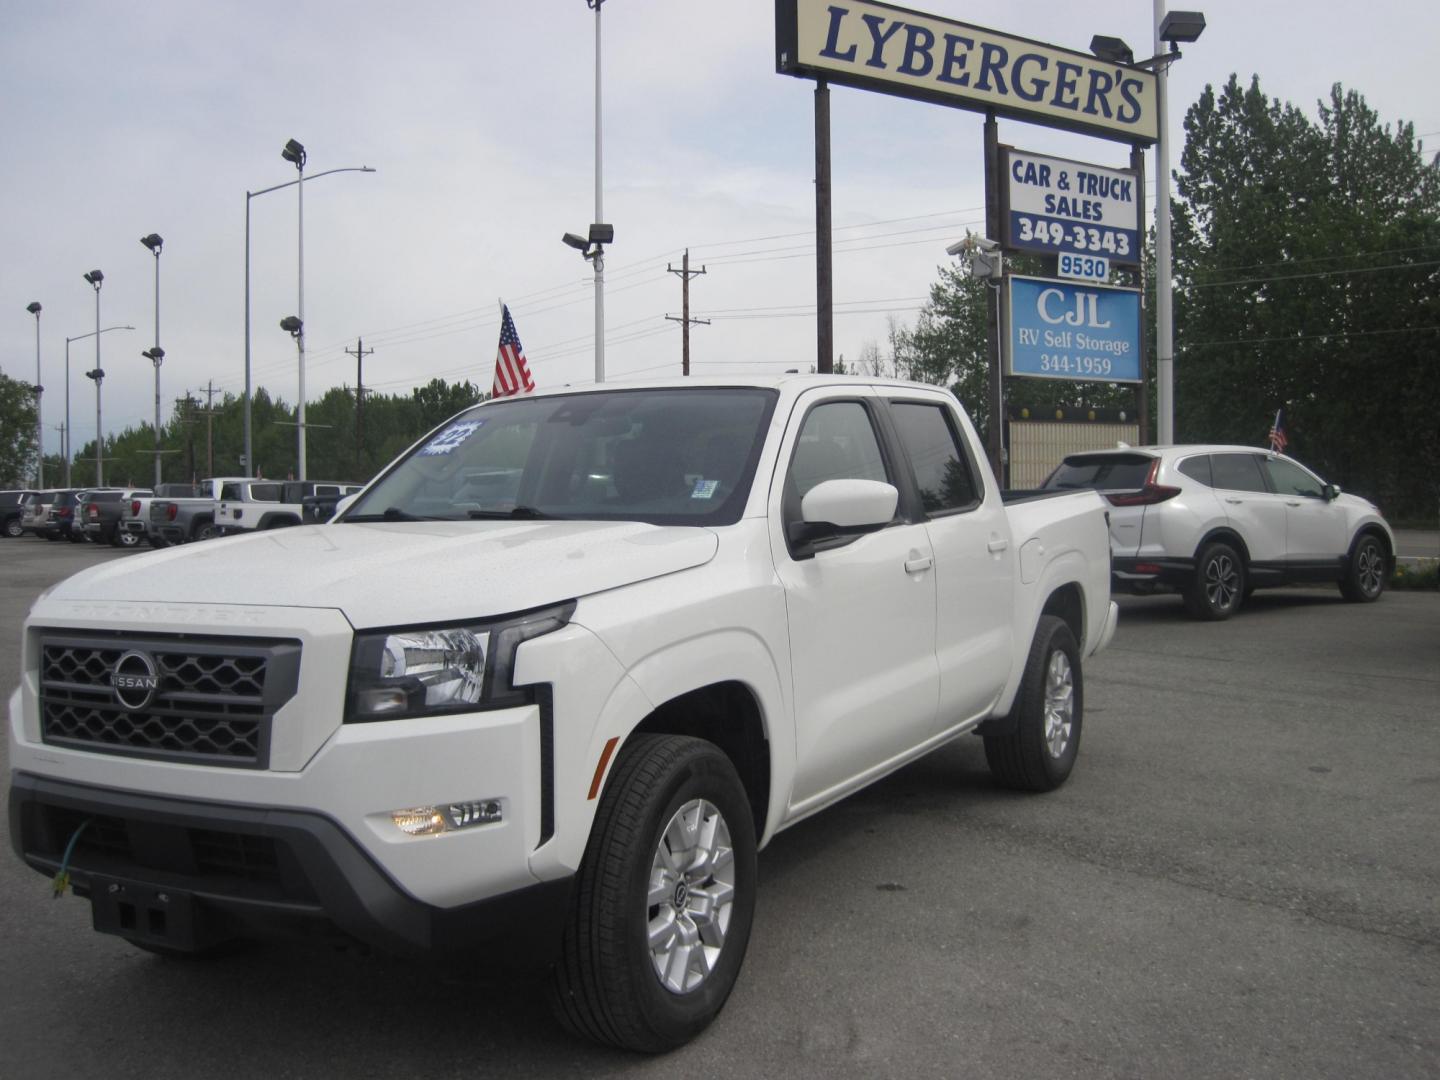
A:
(606, 985)
(13, 528)
(1218, 587)
(1040, 751)
(157, 541)
(1365, 571)
(204, 529)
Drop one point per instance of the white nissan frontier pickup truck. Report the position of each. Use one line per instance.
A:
(548, 683)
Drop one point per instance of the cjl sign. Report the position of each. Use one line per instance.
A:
(1062, 330)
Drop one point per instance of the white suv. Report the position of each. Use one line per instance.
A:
(1214, 523)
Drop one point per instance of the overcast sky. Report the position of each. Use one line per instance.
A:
(127, 119)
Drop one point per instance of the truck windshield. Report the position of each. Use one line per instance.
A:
(681, 456)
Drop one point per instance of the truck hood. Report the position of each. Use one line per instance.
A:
(392, 573)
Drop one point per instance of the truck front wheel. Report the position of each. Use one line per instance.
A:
(1039, 752)
(663, 901)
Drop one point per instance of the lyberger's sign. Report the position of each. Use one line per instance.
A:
(897, 51)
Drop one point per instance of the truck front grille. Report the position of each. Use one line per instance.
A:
(209, 701)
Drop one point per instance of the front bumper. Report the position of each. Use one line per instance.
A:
(187, 874)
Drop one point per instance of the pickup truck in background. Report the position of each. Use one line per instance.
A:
(98, 515)
(233, 516)
(135, 513)
(179, 520)
(548, 684)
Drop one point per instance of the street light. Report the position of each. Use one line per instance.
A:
(592, 250)
(286, 154)
(154, 242)
(1170, 29)
(95, 278)
(66, 428)
(597, 256)
(34, 309)
(294, 153)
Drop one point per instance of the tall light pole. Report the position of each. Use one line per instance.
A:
(34, 309)
(598, 257)
(154, 242)
(249, 446)
(95, 278)
(295, 154)
(1172, 28)
(65, 442)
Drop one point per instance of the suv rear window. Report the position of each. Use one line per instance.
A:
(1102, 472)
(1197, 468)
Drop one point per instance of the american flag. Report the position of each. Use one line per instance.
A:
(1278, 441)
(512, 374)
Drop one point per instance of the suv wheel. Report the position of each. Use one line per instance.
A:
(663, 901)
(1364, 578)
(124, 538)
(1219, 583)
(13, 528)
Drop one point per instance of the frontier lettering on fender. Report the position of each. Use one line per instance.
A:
(914, 55)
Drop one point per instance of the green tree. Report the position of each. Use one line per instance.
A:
(17, 433)
(1306, 256)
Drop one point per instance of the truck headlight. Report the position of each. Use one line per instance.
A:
(424, 670)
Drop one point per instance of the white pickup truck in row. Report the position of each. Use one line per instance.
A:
(549, 683)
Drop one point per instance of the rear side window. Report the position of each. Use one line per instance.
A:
(1237, 472)
(1102, 472)
(942, 470)
(1198, 468)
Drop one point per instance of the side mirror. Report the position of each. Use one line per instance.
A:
(343, 505)
(1331, 492)
(843, 509)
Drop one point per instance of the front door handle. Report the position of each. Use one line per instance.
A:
(1235, 502)
(997, 546)
(915, 566)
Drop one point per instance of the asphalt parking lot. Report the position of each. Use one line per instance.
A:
(1241, 879)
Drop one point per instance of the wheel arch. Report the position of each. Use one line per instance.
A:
(1224, 534)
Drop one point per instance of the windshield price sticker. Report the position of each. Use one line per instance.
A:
(1065, 330)
(453, 436)
(1057, 206)
(1084, 267)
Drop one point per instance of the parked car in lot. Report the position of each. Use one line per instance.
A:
(35, 516)
(233, 515)
(100, 514)
(135, 524)
(178, 519)
(63, 521)
(1214, 523)
(554, 717)
(12, 511)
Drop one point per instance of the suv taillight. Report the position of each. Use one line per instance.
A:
(135, 508)
(92, 511)
(1149, 493)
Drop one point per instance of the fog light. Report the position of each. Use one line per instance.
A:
(449, 817)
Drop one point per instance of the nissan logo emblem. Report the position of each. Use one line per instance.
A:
(135, 680)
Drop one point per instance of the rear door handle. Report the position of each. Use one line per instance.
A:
(914, 566)
(1235, 502)
(997, 546)
(1292, 504)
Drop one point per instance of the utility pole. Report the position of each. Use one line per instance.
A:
(210, 393)
(360, 352)
(184, 407)
(685, 274)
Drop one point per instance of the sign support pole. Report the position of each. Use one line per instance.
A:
(1142, 392)
(824, 264)
(994, 443)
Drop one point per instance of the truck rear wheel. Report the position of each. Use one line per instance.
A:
(1040, 750)
(663, 901)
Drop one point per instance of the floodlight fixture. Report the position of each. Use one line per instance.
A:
(153, 242)
(1113, 49)
(1178, 26)
(95, 277)
(602, 234)
(96, 373)
(291, 325)
(579, 243)
(154, 355)
(294, 153)
(33, 307)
